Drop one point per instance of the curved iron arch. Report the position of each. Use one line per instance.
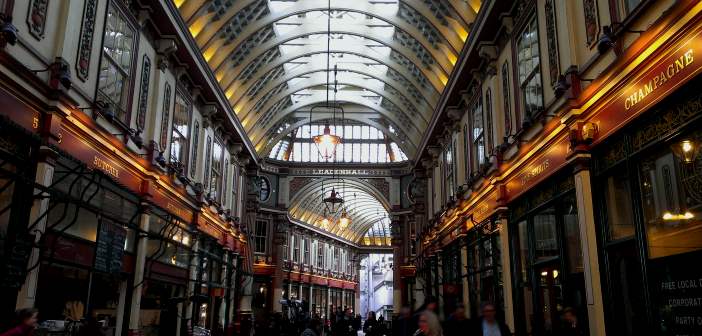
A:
(450, 38)
(426, 95)
(433, 79)
(279, 136)
(257, 130)
(352, 83)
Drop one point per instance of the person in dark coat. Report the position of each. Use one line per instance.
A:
(402, 326)
(570, 325)
(457, 323)
(344, 326)
(488, 324)
(370, 327)
(25, 323)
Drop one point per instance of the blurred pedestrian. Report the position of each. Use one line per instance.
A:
(428, 324)
(25, 323)
(402, 326)
(370, 327)
(430, 304)
(457, 323)
(488, 324)
(570, 325)
(313, 328)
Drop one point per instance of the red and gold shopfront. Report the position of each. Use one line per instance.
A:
(600, 212)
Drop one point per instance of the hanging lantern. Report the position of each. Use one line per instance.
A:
(326, 143)
(686, 150)
(333, 203)
(344, 220)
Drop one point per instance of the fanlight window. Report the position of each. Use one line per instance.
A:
(359, 143)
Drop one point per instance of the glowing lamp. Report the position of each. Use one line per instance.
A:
(326, 143)
(325, 223)
(686, 150)
(344, 220)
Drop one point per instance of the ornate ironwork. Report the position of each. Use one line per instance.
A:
(666, 121)
(85, 41)
(165, 117)
(193, 160)
(592, 26)
(36, 17)
(505, 100)
(208, 159)
(143, 93)
(552, 40)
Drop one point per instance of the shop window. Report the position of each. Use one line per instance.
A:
(115, 78)
(216, 171)
(548, 257)
(483, 266)
(617, 196)
(320, 254)
(306, 249)
(529, 69)
(260, 231)
(296, 248)
(181, 129)
(671, 199)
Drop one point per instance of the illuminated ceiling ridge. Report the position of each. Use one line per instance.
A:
(394, 58)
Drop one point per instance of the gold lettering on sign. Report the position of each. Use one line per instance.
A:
(660, 79)
(534, 172)
(176, 210)
(105, 166)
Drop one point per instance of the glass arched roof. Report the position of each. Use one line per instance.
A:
(394, 58)
(360, 144)
(370, 222)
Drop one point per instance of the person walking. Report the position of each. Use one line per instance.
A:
(457, 323)
(488, 324)
(402, 326)
(370, 327)
(25, 323)
(428, 325)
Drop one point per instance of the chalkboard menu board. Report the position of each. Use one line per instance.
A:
(14, 265)
(110, 247)
(679, 294)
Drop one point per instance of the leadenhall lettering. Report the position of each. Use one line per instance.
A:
(660, 79)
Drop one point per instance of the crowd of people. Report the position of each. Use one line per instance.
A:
(425, 322)
(342, 322)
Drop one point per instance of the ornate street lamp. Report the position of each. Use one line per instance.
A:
(326, 143)
(344, 219)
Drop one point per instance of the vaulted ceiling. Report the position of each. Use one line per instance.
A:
(273, 60)
(367, 208)
(270, 58)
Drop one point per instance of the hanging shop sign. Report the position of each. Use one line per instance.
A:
(666, 75)
(109, 248)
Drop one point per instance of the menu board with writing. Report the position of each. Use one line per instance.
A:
(110, 247)
(679, 294)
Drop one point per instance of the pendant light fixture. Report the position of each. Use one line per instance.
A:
(327, 142)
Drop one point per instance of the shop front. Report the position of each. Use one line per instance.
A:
(648, 184)
(547, 257)
(484, 266)
(451, 277)
(87, 250)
